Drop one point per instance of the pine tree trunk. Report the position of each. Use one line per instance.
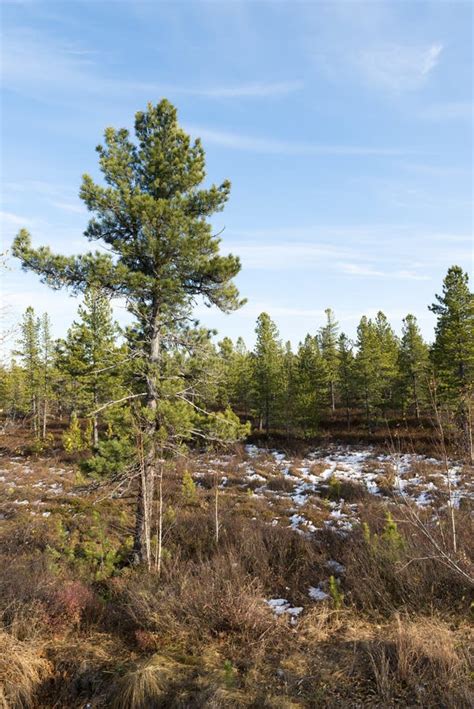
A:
(216, 510)
(95, 425)
(333, 397)
(95, 420)
(142, 539)
(415, 396)
(159, 531)
(45, 417)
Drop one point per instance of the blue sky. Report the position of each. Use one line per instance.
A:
(345, 128)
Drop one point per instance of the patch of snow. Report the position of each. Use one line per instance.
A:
(281, 605)
(335, 567)
(317, 593)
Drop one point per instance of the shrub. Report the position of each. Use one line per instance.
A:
(113, 457)
(72, 437)
(188, 487)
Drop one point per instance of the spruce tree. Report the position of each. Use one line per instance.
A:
(152, 215)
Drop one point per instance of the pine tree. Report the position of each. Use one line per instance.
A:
(453, 350)
(153, 217)
(311, 384)
(242, 379)
(328, 338)
(366, 366)
(290, 390)
(387, 352)
(29, 351)
(346, 375)
(46, 355)
(268, 368)
(91, 357)
(413, 365)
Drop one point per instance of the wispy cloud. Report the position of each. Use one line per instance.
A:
(11, 220)
(397, 67)
(355, 269)
(34, 64)
(237, 141)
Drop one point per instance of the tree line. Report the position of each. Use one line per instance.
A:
(274, 386)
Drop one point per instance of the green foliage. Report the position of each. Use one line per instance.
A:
(188, 487)
(334, 492)
(335, 593)
(229, 674)
(328, 340)
(268, 371)
(225, 427)
(414, 366)
(89, 361)
(113, 456)
(453, 351)
(73, 440)
(391, 536)
(91, 551)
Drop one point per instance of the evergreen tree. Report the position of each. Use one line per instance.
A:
(386, 354)
(453, 350)
(376, 365)
(328, 338)
(268, 367)
(91, 357)
(366, 366)
(413, 365)
(311, 383)
(46, 346)
(242, 379)
(346, 375)
(153, 217)
(290, 389)
(29, 351)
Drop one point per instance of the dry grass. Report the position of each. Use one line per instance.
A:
(22, 670)
(423, 659)
(201, 635)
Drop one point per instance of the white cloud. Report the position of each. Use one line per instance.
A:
(397, 67)
(34, 65)
(9, 220)
(237, 141)
(354, 269)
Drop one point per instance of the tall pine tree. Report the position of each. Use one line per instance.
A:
(152, 215)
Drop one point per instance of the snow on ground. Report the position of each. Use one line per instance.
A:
(425, 481)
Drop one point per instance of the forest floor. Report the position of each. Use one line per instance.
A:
(333, 583)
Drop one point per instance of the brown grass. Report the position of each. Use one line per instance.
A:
(22, 670)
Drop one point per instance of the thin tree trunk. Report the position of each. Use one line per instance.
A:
(45, 417)
(159, 531)
(216, 509)
(415, 396)
(142, 543)
(333, 397)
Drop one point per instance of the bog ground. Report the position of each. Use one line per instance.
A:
(327, 585)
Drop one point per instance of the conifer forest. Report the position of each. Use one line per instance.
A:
(189, 520)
